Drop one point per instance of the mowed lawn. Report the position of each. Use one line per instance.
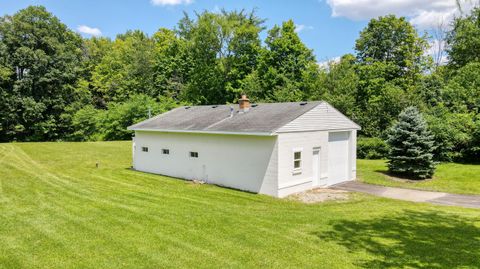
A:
(58, 211)
(448, 177)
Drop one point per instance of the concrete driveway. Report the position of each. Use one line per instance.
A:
(440, 198)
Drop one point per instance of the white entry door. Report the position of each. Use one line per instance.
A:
(338, 157)
(316, 180)
(315, 167)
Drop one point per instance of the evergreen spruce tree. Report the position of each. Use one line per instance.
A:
(411, 146)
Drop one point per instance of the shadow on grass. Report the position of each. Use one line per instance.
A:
(411, 239)
(400, 177)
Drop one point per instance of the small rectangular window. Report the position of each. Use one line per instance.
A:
(193, 154)
(145, 149)
(165, 151)
(297, 160)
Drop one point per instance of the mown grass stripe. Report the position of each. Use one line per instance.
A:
(62, 212)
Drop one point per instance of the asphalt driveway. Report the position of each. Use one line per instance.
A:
(440, 198)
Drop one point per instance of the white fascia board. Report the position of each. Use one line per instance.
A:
(202, 132)
(330, 130)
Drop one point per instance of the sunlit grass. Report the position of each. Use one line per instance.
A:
(58, 211)
(449, 177)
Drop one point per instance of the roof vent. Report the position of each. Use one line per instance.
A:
(303, 103)
(254, 105)
(215, 106)
(187, 107)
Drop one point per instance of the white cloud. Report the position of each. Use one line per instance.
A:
(302, 27)
(432, 19)
(424, 14)
(89, 30)
(326, 64)
(170, 2)
(436, 49)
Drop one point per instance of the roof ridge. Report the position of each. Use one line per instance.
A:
(233, 104)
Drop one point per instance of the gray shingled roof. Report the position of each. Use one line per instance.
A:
(262, 118)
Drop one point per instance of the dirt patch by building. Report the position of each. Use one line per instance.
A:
(320, 195)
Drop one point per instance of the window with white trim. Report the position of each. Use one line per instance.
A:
(193, 154)
(297, 160)
(145, 149)
(165, 151)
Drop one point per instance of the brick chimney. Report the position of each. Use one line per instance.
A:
(244, 103)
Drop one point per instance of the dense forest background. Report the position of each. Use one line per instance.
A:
(56, 85)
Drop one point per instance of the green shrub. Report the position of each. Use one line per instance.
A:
(472, 153)
(453, 133)
(90, 124)
(371, 148)
(119, 116)
(85, 123)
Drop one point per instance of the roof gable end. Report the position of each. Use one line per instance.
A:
(321, 117)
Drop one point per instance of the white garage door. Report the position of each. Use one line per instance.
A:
(338, 154)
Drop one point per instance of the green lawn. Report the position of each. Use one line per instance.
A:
(449, 177)
(58, 211)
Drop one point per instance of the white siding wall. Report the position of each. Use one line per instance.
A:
(289, 181)
(321, 117)
(242, 162)
(253, 163)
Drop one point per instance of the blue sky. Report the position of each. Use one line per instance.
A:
(329, 27)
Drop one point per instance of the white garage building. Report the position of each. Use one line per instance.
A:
(275, 149)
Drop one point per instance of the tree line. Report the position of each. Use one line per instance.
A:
(56, 85)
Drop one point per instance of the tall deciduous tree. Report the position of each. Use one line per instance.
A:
(283, 63)
(393, 41)
(39, 59)
(391, 61)
(171, 63)
(94, 50)
(379, 100)
(223, 48)
(411, 146)
(462, 93)
(127, 69)
(339, 85)
(463, 41)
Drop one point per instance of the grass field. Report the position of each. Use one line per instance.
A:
(59, 211)
(449, 177)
